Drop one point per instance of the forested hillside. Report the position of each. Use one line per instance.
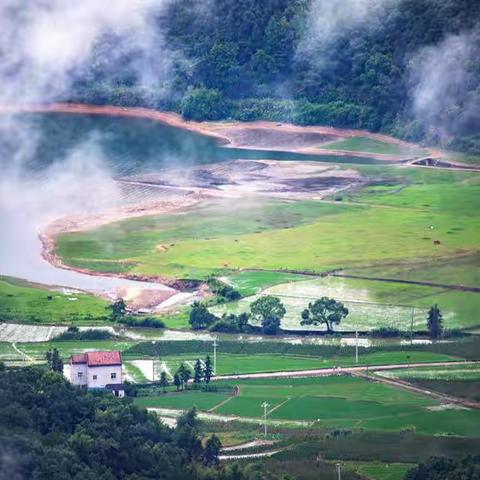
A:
(407, 67)
(51, 431)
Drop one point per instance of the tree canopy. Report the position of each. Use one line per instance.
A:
(50, 430)
(324, 310)
(269, 311)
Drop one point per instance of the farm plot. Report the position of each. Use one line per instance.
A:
(371, 304)
(453, 372)
(458, 381)
(341, 401)
(67, 348)
(11, 332)
(378, 470)
(232, 364)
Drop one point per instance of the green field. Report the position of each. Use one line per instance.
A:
(378, 470)
(183, 400)
(23, 302)
(365, 144)
(371, 304)
(452, 372)
(331, 402)
(407, 223)
(458, 381)
(230, 364)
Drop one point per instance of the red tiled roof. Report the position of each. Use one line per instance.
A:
(81, 358)
(95, 359)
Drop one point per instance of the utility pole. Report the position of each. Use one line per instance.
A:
(356, 346)
(215, 345)
(265, 405)
(411, 326)
(338, 467)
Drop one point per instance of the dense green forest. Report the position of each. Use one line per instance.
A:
(407, 67)
(50, 430)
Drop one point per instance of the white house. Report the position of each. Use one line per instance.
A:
(98, 370)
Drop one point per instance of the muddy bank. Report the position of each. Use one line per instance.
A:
(49, 235)
(260, 135)
(431, 162)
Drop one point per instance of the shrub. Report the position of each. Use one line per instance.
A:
(203, 104)
(144, 322)
(73, 333)
(386, 332)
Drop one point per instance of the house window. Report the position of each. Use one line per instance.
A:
(80, 374)
(94, 377)
(113, 376)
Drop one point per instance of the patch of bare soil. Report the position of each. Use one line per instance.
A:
(240, 178)
(268, 138)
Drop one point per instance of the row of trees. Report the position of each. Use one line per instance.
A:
(268, 311)
(202, 372)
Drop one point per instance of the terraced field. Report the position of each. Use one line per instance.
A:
(333, 402)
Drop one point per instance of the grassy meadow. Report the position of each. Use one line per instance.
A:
(365, 144)
(23, 302)
(408, 223)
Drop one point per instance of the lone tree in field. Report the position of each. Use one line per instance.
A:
(54, 360)
(118, 308)
(200, 317)
(207, 374)
(434, 322)
(324, 310)
(163, 381)
(269, 311)
(197, 371)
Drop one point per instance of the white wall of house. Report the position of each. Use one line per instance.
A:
(100, 376)
(78, 374)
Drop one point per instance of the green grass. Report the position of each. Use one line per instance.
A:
(23, 302)
(452, 372)
(378, 470)
(135, 372)
(251, 282)
(183, 400)
(371, 304)
(338, 402)
(364, 144)
(387, 228)
(230, 364)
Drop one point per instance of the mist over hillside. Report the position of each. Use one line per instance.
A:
(407, 67)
